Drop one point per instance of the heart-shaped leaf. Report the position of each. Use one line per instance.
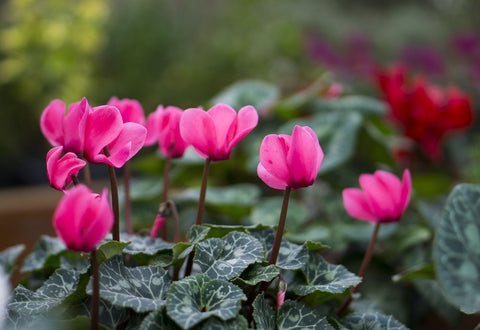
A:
(9, 256)
(324, 277)
(197, 298)
(140, 288)
(52, 293)
(291, 256)
(110, 316)
(144, 245)
(366, 321)
(227, 257)
(457, 248)
(257, 273)
(45, 253)
(294, 315)
(263, 314)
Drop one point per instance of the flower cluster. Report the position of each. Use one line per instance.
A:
(425, 112)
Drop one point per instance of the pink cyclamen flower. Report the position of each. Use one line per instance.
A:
(82, 218)
(383, 198)
(163, 126)
(60, 170)
(157, 225)
(131, 110)
(214, 133)
(292, 161)
(86, 131)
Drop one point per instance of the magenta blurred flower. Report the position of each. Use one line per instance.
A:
(131, 110)
(292, 161)
(86, 131)
(383, 198)
(82, 218)
(214, 133)
(157, 225)
(60, 170)
(163, 126)
(424, 58)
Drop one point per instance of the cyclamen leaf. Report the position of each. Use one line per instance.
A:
(197, 298)
(456, 248)
(227, 257)
(158, 320)
(9, 256)
(140, 288)
(47, 248)
(371, 321)
(257, 273)
(294, 315)
(52, 293)
(109, 315)
(291, 256)
(325, 277)
(263, 314)
(144, 245)
(238, 323)
(110, 249)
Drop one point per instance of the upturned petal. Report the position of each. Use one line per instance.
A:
(131, 110)
(152, 126)
(247, 120)
(378, 195)
(273, 156)
(225, 119)
(198, 129)
(59, 171)
(74, 126)
(103, 127)
(51, 122)
(269, 179)
(357, 206)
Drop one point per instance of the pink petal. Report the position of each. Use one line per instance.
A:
(60, 170)
(379, 197)
(357, 206)
(152, 126)
(100, 224)
(269, 179)
(223, 117)
(52, 158)
(170, 140)
(103, 127)
(303, 156)
(131, 110)
(273, 156)
(51, 122)
(157, 225)
(74, 126)
(247, 120)
(198, 129)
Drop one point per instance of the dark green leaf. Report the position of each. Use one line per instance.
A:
(257, 273)
(418, 272)
(263, 314)
(324, 277)
(144, 245)
(357, 103)
(291, 256)
(294, 315)
(158, 320)
(248, 92)
(109, 315)
(197, 298)
(51, 294)
(227, 257)
(457, 248)
(46, 252)
(372, 321)
(140, 288)
(238, 323)
(110, 249)
(9, 256)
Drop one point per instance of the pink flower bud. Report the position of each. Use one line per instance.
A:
(83, 219)
(60, 170)
(214, 133)
(292, 161)
(157, 225)
(383, 197)
(163, 126)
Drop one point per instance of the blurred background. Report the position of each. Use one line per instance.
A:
(185, 53)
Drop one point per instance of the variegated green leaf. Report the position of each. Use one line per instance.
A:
(227, 257)
(109, 249)
(109, 315)
(144, 245)
(457, 248)
(9, 256)
(294, 315)
(197, 298)
(291, 256)
(324, 277)
(157, 320)
(237, 323)
(45, 253)
(140, 288)
(52, 293)
(371, 321)
(256, 273)
(263, 314)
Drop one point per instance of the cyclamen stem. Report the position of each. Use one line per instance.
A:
(280, 228)
(362, 271)
(176, 224)
(95, 304)
(201, 207)
(87, 175)
(128, 206)
(74, 179)
(166, 177)
(115, 206)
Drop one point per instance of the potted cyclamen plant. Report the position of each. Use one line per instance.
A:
(220, 277)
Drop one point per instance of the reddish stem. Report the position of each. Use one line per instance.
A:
(281, 226)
